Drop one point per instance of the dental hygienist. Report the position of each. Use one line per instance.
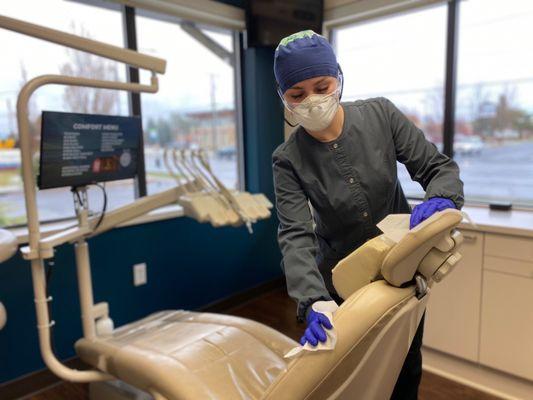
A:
(342, 161)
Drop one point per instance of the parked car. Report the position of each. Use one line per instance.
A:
(468, 145)
(228, 153)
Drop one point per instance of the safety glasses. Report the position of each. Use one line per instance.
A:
(337, 92)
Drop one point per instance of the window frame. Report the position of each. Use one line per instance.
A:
(20, 229)
(450, 78)
(237, 41)
(129, 30)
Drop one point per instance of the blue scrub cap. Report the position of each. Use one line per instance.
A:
(303, 55)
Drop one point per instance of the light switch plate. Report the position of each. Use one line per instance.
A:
(139, 274)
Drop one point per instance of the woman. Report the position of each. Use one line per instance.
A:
(341, 161)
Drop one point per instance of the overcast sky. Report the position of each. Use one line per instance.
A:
(399, 57)
(190, 66)
(403, 56)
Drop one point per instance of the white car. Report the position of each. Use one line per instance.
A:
(468, 145)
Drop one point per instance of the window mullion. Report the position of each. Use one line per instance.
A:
(451, 77)
(130, 35)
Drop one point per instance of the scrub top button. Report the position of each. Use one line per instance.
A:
(335, 145)
(365, 214)
(351, 180)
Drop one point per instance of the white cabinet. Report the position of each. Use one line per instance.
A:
(507, 246)
(507, 323)
(453, 312)
(507, 305)
(483, 311)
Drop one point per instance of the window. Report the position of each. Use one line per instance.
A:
(493, 141)
(195, 106)
(24, 58)
(401, 58)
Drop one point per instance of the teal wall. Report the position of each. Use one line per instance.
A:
(263, 119)
(189, 264)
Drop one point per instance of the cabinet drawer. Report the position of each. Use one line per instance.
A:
(453, 311)
(509, 266)
(507, 324)
(516, 247)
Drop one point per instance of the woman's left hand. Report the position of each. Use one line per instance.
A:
(424, 210)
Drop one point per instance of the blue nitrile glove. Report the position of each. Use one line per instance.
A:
(426, 209)
(316, 322)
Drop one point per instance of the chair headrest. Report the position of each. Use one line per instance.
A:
(406, 257)
(426, 249)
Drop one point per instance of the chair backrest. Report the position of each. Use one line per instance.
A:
(379, 317)
(428, 249)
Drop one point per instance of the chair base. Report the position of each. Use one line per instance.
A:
(116, 390)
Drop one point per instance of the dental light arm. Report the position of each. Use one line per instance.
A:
(170, 171)
(111, 52)
(206, 203)
(200, 156)
(111, 220)
(89, 310)
(94, 317)
(190, 183)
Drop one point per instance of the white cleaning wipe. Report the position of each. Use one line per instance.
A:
(469, 219)
(327, 308)
(395, 226)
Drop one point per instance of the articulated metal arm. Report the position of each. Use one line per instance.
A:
(37, 249)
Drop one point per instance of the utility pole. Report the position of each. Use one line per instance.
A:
(10, 118)
(213, 112)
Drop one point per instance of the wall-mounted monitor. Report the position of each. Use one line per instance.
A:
(269, 21)
(81, 149)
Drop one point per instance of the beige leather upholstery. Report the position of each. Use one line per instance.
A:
(375, 327)
(8, 245)
(404, 259)
(361, 267)
(186, 355)
(429, 248)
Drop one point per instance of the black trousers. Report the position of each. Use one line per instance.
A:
(406, 387)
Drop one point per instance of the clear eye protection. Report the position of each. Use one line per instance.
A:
(290, 106)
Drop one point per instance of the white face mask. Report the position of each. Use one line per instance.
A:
(316, 112)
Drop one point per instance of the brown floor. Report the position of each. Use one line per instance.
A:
(277, 310)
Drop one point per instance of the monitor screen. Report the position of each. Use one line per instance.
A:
(80, 149)
(269, 21)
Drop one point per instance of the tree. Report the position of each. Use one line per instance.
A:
(34, 116)
(167, 131)
(82, 64)
(506, 114)
(434, 115)
(481, 111)
(164, 132)
(181, 127)
(490, 117)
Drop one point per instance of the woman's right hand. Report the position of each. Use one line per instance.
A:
(316, 322)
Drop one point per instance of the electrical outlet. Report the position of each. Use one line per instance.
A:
(139, 274)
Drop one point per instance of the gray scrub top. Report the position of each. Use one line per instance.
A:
(351, 184)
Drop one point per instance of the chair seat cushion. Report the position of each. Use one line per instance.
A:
(189, 355)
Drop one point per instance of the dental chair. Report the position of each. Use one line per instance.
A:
(8, 247)
(180, 355)
(188, 355)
